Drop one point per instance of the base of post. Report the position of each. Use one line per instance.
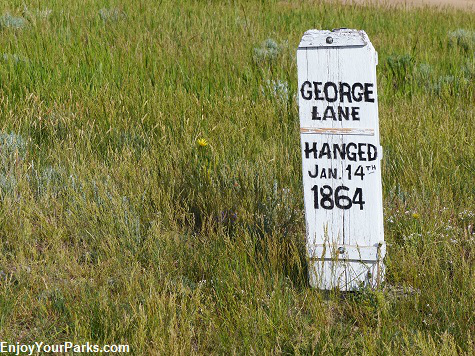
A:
(345, 275)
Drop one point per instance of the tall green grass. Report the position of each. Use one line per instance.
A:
(116, 226)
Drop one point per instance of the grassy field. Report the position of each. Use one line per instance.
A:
(151, 190)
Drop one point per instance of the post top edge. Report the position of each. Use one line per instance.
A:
(341, 37)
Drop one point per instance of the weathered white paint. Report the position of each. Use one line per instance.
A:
(337, 131)
(345, 244)
(345, 38)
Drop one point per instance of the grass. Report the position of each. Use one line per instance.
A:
(116, 226)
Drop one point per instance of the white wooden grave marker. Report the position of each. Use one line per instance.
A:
(341, 153)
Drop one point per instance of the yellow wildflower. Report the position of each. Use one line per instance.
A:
(416, 215)
(202, 142)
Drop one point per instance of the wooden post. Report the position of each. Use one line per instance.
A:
(341, 153)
